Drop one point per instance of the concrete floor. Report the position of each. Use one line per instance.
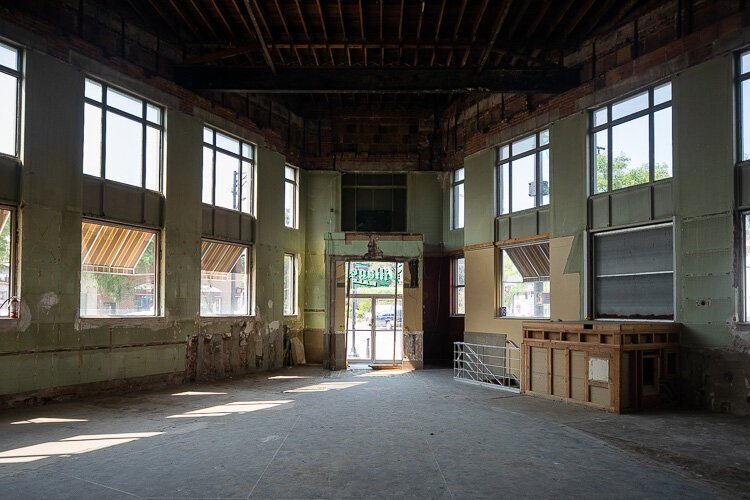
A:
(308, 433)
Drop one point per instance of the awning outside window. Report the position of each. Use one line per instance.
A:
(219, 258)
(4, 217)
(532, 261)
(111, 249)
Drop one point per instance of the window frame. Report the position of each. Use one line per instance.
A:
(142, 120)
(745, 310)
(18, 75)
(158, 270)
(295, 201)
(650, 111)
(500, 280)
(740, 126)
(455, 285)
(591, 269)
(454, 203)
(294, 310)
(248, 282)
(12, 267)
(237, 156)
(535, 152)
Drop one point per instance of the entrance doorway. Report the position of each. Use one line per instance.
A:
(374, 312)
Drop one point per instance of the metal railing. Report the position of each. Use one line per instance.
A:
(491, 365)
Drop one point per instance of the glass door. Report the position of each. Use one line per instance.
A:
(388, 332)
(359, 339)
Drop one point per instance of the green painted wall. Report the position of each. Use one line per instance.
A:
(425, 208)
(479, 225)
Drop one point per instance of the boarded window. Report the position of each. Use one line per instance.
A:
(634, 273)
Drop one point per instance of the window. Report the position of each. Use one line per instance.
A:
(373, 203)
(458, 198)
(224, 279)
(290, 284)
(291, 174)
(228, 172)
(523, 174)
(118, 271)
(524, 276)
(746, 257)
(459, 286)
(10, 99)
(743, 70)
(6, 259)
(631, 140)
(122, 137)
(634, 273)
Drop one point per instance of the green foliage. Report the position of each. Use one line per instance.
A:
(5, 245)
(623, 175)
(112, 285)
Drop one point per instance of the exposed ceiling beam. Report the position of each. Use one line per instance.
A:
(307, 33)
(266, 52)
(354, 80)
(502, 15)
(474, 29)
(455, 31)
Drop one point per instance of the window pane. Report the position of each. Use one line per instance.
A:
(745, 123)
(92, 140)
(8, 57)
(223, 279)
(458, 206)
(118, 271)
(153, 158)
(543, 137)
(544, 184)
(227, 177)
(747, 266)
(630, 153)
(208, 135)
(745, 63)
(460, 300)
(601, 157)
(600, 116)
(635, 297)
(630, 106)
(153, 114)
(227, 143)
(460, 271)
(124, 102)
(634, 252)
(523, 145)
(124, 146)
(247, 151)
(93, 90)
(248, 190)
(8, 113)
(663, 144)
(288, 284)
(505, 152)
(290, 173)
(524, 184)
(458, 175)
(208, 175)
(663, 93)
(503, 203)
(288, 204)
(5, 260)
(523, 297)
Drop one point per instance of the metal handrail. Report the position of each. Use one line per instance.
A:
(491, 365)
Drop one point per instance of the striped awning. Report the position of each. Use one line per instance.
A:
(532, 261)
(219, 257)
(112, 249)
(4, 217)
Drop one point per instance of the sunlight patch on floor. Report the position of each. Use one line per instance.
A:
(230, 408)
(46, 420)
(199, 393)
(325, 387)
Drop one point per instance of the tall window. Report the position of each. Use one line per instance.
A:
(631, 140)
(10, 98)
(6, 259)
(291, 194)
(118, 271)
(459, 286)
(746, 256)
(523, 174)
(228, 172)
(123, 137)
(290, 284)
(524, 276)
(373, 203)
(224, 279)
(634, 273)
(458, 198)
(743, 80)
